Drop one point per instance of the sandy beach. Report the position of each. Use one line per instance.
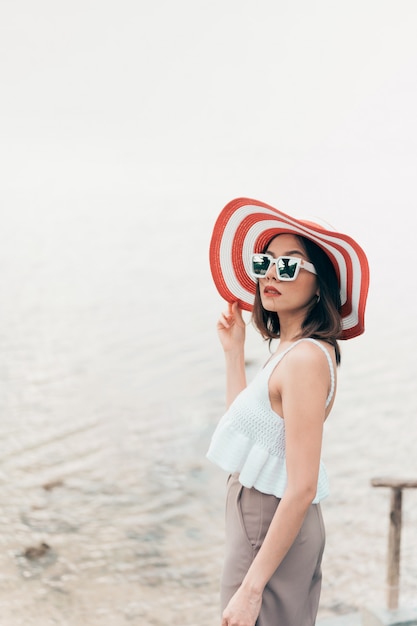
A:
(111, 513)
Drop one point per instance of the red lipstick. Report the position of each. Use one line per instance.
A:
(271, 291)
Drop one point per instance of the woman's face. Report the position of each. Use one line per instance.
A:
(287, 296)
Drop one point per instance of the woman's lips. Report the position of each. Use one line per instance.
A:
(271, 291)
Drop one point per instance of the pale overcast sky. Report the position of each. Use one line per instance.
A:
(308, 105)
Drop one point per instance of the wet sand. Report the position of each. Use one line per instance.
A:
(110, 512)
(131, 513)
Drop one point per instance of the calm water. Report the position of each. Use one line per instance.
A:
(111, 384)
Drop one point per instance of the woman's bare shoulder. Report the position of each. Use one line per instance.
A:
(307, 354)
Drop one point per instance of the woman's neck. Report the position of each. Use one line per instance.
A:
(289, 329)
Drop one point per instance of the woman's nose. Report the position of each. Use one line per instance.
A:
(272, 272)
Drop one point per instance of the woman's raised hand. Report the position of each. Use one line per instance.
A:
(231, 328)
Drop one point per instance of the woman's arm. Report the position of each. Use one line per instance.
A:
(231, 330)
(303, 385)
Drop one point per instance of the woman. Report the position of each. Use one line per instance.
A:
(307, 287)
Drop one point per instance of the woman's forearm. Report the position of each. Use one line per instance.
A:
(283, 530)
(235, 374)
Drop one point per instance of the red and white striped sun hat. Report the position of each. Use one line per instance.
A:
(245, 226)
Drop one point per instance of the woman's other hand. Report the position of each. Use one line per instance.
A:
(243, 609)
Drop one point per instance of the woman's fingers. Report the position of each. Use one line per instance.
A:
(231, 327)
(236, 312)
(225, 321)
(233, 314)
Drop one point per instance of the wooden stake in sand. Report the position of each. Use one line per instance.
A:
(394, 536)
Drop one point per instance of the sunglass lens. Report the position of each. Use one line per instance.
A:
(260, 264)
(287, 268)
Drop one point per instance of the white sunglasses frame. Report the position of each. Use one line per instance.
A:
(301, 264)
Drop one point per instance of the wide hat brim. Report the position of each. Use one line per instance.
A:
(245, 226)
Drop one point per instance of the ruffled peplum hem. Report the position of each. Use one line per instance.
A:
(257, 467)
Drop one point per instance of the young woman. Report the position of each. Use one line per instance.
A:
(307, 287)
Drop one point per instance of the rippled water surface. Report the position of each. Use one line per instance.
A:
(111, 384)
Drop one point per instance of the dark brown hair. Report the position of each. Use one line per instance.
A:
(323, 320)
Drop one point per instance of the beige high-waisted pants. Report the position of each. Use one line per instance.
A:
(292, 595)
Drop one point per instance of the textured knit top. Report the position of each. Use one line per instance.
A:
(250, 437)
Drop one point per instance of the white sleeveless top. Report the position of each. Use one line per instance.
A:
(250, 437)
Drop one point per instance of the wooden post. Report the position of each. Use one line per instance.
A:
(394, 549)
(394, 535)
